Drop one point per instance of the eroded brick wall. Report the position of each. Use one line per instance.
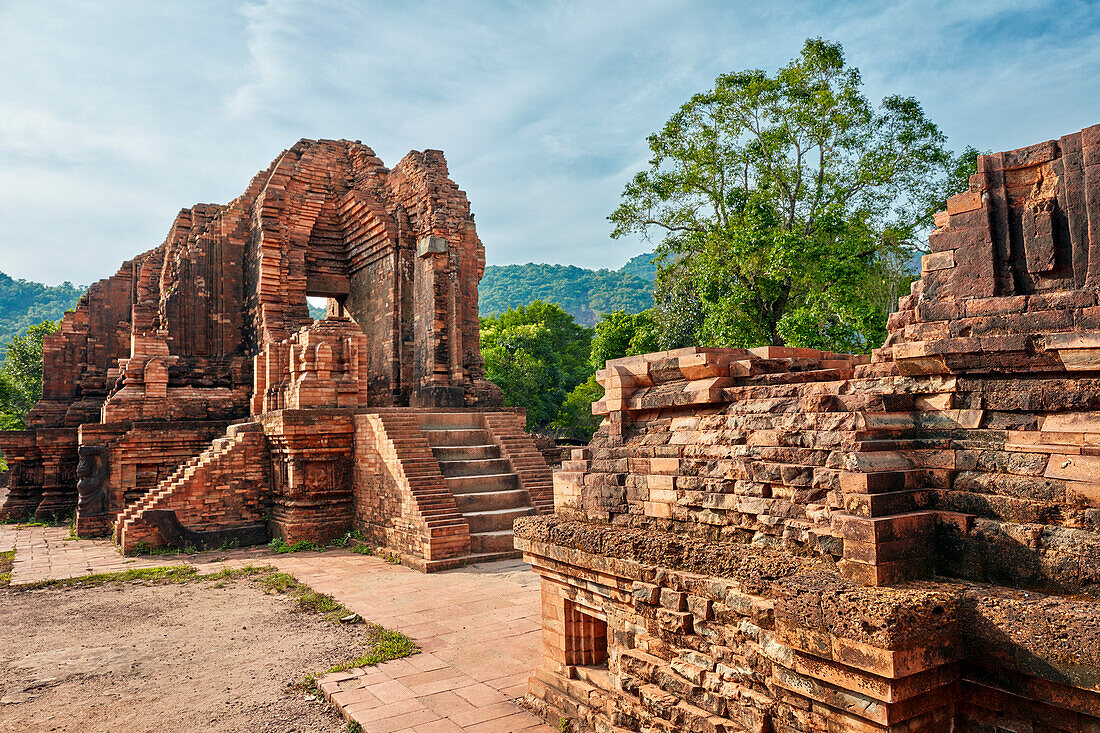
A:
(785, 540)
(208, 326)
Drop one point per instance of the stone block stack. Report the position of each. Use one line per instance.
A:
(779, 540)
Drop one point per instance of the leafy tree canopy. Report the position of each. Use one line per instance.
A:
(789, 205)
(622, 334)
(537, 354)
(21, 375)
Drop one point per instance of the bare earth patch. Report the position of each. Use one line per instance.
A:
(139, 657)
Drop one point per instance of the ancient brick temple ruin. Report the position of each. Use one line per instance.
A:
(779, 540)
(191, 398)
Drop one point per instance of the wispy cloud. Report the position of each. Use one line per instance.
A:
(115, 114)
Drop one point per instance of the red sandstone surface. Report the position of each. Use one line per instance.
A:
(777, 540)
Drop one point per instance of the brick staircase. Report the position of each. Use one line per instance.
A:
(485, 486)
(130, 527)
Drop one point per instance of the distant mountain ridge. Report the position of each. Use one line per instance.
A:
(584, 293)
(24, 303)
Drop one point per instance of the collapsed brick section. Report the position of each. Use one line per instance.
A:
(211, 407)
(789, 540)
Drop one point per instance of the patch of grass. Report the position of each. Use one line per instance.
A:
(278, 582)
(309, 600)
(382, 646)
(352, 727)
(565, 725)
(181, 574)
(28, 520)
(162, 575)
(362, 549)
(143, 548)
(7, 560)
(278, 545)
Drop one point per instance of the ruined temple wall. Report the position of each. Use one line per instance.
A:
(1009, 492)
(751, 458)
(657, 632)
(436, 207)
(80, 360)
(869, 506)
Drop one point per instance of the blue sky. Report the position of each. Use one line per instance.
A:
(114, 115)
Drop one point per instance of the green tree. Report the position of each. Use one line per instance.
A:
(537, 354)
(618, 334)
(21, 375)
(575, 419)
(622, 334)
(789, 205)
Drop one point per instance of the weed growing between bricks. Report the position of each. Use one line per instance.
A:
(143, 548)
(7, 560)
(28, 520)
(382, 646)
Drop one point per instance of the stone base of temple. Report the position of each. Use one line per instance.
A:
(645, 631)
(437, 488)
(90, 527)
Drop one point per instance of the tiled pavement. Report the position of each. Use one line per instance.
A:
(478, 627)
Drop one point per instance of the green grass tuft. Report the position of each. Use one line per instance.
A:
(382, 646)
(153, 575)
(7, 560)
(278, 545)
(143, 548)
(309, 600)
(162, 575)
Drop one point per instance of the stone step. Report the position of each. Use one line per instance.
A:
(490, 500)
(482, 484)
(498, 520)
(475, 467)
(465, 452)
(444, 420)
(491, 556)
(500, 541)
(455, 437)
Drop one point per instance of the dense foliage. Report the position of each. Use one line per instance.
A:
(24, 304)
(617, 335)
(21, 375)
(585, 294)
(789, 206)
(537, 354)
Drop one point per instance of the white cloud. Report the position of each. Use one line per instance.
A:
(116, 115)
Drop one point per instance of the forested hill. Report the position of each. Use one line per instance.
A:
(24, 303)
(583, 293)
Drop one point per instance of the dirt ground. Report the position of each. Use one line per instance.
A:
(198, 656)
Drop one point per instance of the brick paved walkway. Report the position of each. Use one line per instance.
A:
(478, 627)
